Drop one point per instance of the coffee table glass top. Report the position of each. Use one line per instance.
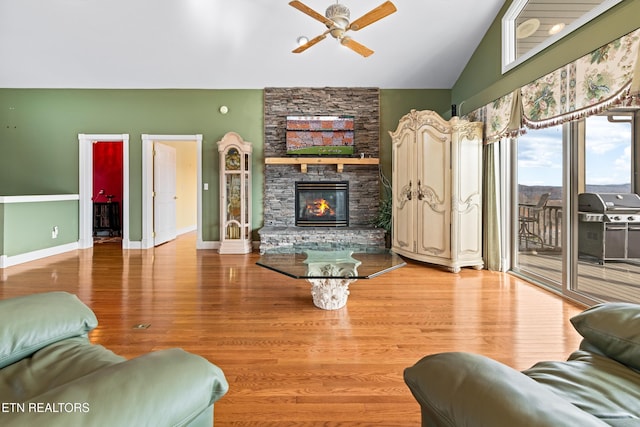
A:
(327, 264)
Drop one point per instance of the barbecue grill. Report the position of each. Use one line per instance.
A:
(609, 226)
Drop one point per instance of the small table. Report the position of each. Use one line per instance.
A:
(330, 272)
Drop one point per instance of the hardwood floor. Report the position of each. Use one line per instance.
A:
(289, 363)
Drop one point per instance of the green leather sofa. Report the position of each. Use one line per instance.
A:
(599, 385)
(51, 375)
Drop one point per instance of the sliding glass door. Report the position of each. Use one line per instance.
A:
(608, 265)
(553, 245)
(538, 245)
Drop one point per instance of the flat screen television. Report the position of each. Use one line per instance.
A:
(320, 135)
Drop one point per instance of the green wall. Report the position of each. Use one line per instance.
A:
(39, 138)
(27, 226)
(482, 80)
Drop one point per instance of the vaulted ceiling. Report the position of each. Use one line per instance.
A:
(232, 44)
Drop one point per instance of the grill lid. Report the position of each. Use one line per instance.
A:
(609, 202)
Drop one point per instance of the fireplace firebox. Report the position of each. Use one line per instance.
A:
(322, 204)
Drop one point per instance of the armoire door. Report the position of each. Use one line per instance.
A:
(403, 163)
(433, 192)
(467, 229)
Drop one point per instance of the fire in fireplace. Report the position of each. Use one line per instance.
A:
(322, 204)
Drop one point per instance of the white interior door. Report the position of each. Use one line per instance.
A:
(164, 189)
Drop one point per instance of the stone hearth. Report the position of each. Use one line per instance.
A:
(286, 239)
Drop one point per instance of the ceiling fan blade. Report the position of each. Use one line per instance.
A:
(385, 9)
(312, 13)
(356, 47)
(310, 43)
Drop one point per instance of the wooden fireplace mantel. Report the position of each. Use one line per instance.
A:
(305, 161)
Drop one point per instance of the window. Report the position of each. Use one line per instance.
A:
(529, 26)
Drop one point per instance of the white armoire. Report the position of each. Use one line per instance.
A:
(437, 190)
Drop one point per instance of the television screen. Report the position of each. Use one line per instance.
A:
(320, 135)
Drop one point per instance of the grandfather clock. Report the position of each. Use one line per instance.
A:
(235, 194)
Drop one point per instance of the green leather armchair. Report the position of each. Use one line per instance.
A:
(599, 385)
(51, 375)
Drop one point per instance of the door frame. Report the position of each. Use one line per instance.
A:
(147, 184)
(85, 184)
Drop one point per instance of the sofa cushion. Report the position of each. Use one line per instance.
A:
(32, 322)
(465, 389)
(594, 383)
(53, 366)
(613, 329)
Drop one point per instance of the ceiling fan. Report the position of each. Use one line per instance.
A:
(337, 21)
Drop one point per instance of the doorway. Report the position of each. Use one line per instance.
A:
(85, 184)
(148, 214)
(107, 192)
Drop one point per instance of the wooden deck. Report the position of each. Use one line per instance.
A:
(613, 281)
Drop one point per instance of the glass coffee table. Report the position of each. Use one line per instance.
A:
(330, 272)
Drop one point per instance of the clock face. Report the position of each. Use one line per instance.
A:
(232, 159)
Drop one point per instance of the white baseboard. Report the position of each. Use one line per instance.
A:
(132, 244)
(8, 261)
(209, 244)
(200, 244)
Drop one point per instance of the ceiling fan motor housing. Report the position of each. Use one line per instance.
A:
(339, 14)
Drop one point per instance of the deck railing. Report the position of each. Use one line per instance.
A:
(543, 234)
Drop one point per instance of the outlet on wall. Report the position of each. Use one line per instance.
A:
(54, 232)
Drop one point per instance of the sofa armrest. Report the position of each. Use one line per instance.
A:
(464, 389)
(164, 388)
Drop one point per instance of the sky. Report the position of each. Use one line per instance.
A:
(608, 154)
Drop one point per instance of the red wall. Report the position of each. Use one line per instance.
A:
(107, 171)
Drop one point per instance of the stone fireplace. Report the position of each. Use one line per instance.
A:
(280, 231)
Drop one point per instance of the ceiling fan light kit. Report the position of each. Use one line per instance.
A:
(337, 20)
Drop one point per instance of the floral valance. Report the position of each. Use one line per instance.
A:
(593, 83)
(502, 117)
(607, 77)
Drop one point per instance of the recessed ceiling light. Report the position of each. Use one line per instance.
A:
(527, 28)
(302, 40)
(556, 28)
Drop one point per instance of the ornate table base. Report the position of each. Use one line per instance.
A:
(330, 294)
(331, 273)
